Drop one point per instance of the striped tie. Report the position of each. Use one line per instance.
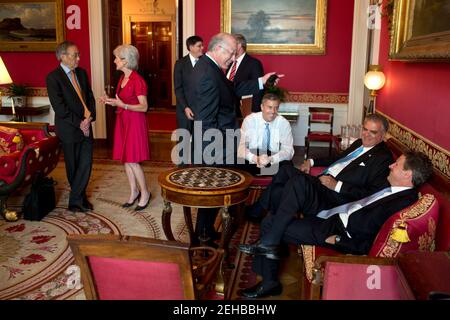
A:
(233, 71)
(87, 113)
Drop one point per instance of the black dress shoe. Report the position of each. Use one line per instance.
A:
(127, 204)
(88, 205)
(140, 208)
(78, 208)
(258, 291)
(271, 252)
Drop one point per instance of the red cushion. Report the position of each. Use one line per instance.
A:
(392, 284)
(10, 140)
(8, 163)
(120, 279)
(420, 219)
(443, 226)
(261, 181)
(320, 136)
(321, 116)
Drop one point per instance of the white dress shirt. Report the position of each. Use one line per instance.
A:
(252, 135)
(193, 60)
(345, 216)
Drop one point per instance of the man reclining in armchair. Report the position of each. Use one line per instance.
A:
(349, 228)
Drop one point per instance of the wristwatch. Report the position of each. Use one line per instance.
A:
(337, 239)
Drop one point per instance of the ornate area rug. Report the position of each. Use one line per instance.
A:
(35, 260)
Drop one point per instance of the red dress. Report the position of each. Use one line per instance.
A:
(131, 133)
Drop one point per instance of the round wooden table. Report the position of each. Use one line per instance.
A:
(202, 187)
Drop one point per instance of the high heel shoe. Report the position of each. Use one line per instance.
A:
(127, 204)
(140, 208)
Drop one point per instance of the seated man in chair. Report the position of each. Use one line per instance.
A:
(349, 228)
(266, 139)
(360, 171)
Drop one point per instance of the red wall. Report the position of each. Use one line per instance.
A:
(329, 73)
(31, 68)
(416, 94)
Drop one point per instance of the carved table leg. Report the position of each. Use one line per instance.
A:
(167, 212)
(188, 220)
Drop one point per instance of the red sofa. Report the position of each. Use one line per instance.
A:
(429, 227)
(37, 152)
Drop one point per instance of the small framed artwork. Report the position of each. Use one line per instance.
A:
(31, 25)
(278, 27)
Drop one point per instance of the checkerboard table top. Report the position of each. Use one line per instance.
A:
(205, 178)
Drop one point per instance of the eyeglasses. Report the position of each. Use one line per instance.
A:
(73, 55)
(231, 52)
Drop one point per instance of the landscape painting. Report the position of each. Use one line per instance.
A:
(31, 25)
(283, 26)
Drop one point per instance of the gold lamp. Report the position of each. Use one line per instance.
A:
(5, 78)
(374, 80)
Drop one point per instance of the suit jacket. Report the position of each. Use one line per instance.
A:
(213, 100)
(181, 79)
(69, 110)
(366, 174)
(365, 223)
(250, 69)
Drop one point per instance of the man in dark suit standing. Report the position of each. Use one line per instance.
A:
(245, 68)
(349, 228)
(213, 102)
(360, 171)
(181, 78)
(73, 102)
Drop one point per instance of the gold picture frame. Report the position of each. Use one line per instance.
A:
(27, 25)
(299, 29)
(420, 31)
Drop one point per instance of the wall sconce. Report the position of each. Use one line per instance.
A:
(374, 80)
(4, 77)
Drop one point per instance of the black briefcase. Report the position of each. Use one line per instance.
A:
(41, 200)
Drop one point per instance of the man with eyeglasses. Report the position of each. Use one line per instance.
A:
(213, 99)
(358, 172)
(73, 102)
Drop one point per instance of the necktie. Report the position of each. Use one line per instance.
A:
(233, 71)
(195, 62)
(325, 214)
(266, 138)
(87, 113)
(349, 157)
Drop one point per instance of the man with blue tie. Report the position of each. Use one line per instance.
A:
(266, 138)
(349, 228)
(360, 171)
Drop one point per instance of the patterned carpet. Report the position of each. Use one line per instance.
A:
(35, 258)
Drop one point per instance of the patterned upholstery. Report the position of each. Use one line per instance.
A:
(420, 219)
(39, 154)
(10, 140)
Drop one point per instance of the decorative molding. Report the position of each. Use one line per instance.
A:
(317, 97)
(439, 156)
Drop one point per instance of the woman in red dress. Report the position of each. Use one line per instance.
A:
(131, 144)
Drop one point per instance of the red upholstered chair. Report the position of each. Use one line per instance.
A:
(117, 267)
(359, 278)
(420, 221)
(320, 128)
